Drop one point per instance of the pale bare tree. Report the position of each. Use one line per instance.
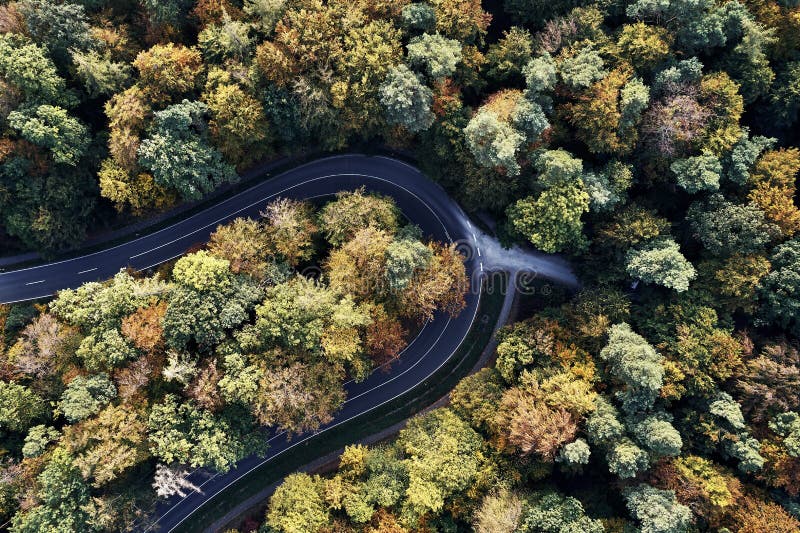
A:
(499, 512)
(133, 378)
(38, 346)
(169, 481)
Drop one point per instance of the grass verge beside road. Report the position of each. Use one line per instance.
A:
(399, 409)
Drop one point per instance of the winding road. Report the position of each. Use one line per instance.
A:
(421, 200)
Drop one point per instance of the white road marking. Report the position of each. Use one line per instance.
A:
(89, 270)
(35, 282)
(479, 250)
(392, 159)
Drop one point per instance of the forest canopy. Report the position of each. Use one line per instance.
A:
(653, 144)
(113, 390)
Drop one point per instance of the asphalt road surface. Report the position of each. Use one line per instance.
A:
(422, 201)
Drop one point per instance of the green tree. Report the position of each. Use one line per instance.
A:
(633, 361)
(508, 57)
(658, 435)
(744, 155)
(658, 511)
(550, 512)
(540, 75)
(558, 167)
(748, 62)
(100, 75)
(26, 66)
(494, 142)
(582, 69)
(178, 153)
(436, 55)
(297, 505)
(202, 272)
(352, 211)
(19, 406)
(787, 425)
(264, 14)
(171, 12)
(498, 130)
(103, 305)
(786, 94)
(419, 16)
(404, 257)
(59, 26)
(726, 228)
(603, 425)
(230, 39)
(183, 433)
(52, 128)
(697, 25)
(86, 396)
(575, 453)
(726, 428)
(780, 293)
(608, 188)
(245, 245)
(626, 459)
(537, 11)
(661, 262)
(552, 221)
(47, 211)
(698, 173)
(406, 100)
(64, 499)
(634, 99)
(37, 440)
(442, 454)
(204, 316)
(104, 350)
(303, 315)
(529, 118)
(477, 397)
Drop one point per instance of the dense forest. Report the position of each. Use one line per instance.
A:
(653, 143)
(112, 391)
